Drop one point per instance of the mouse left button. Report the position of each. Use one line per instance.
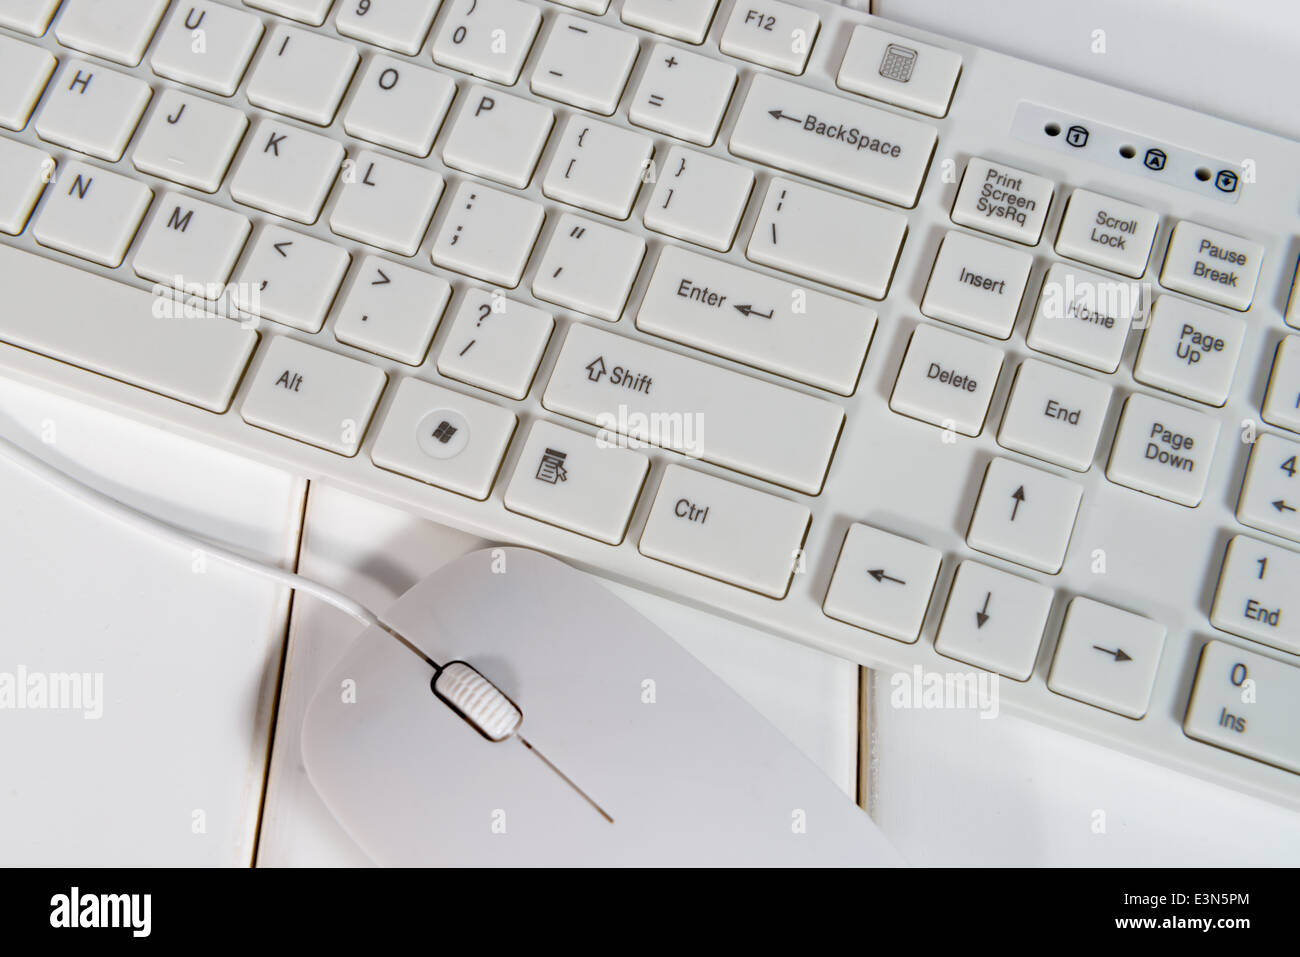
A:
(476, 699)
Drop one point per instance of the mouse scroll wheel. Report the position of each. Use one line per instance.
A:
(477, 700)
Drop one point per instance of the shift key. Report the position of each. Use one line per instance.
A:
(636, 391)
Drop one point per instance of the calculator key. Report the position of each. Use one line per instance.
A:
(24, 173)
(827, 237)
(1190, 350)
(1163, 449)
(1282, 401)
(385, 202)
(1024, 515)
(1212, 265)
(899, 70)
(757, 319)
(32, 16)
(1084, 317)
(994, 620)
(495, 343)
(1107, 232)
(229, 38)
(682, 94)
(598, 167)
(487, 38)
(977, 284)
(302, 74)
(443, 438)
(1256, 597)
(497, 136)
(24, 71)
(798, 129)
(584, 64)
(1055, 415)
(313, 395)
(91, 213)
(286, 170)
(391, 309)
(1270, 495)
(589, 266)
(680, 19)
(1247, 703)
(947, 380)
(488, 234)
(725, 531)
(117, 31)
(699, 198)
(770, 33)
(399, 25)
(399, 105)
(290, 277)
(576, 481)
(189, 140)
(1003, 200)
(882, 583)
(92, 109)
(191, 245)
(1107, 657)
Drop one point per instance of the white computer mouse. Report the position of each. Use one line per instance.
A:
(623, 750)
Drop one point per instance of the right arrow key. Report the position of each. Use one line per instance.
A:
(1107, 657)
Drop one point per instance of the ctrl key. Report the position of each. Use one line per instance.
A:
(1247, 703)
(725, 531)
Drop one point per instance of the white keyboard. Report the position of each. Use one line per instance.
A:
(913, 352)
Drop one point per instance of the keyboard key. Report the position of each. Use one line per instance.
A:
(1107, 657)
(218, 64)
(584, 64)
(682, 94)
(1163, 449)
(1256, 597)
(1246, 703)
(680, 19)
(495, 343)
(1003, 200)
(391, 309)
(488, 234)
(1270, 495)
(189, 140)
(598, 167)
(498, 136)
(1055, 415)
(573, 480)
(1107, 232)
(115, 330)
(1213, 265)
(598, 7)
(882, 583)
(994, 620)
(1190, 350)
(117, 31)
(290, 277)
(304, 11)
(1024, 515)
(443, 438)
(798, 129)
(24, 71)
(92, 109)
(24, 172)
(1282, 401)
(399, 105)
(770, 33)
(699, 198)
(399, 25)
(312, 395)
(977, 284)
(827, 237)
(1084, 317)
(91, 213)
(286, 171)
(30, 16)
(1292, 316)
(633, 389)
(385, 202)
(589, 267)
(487, 38)
(756, 319)
(725, 531)
(302, 74)
(946, 380)
(191, 245)
(899, 70)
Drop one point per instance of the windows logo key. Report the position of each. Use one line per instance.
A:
(444, 431)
